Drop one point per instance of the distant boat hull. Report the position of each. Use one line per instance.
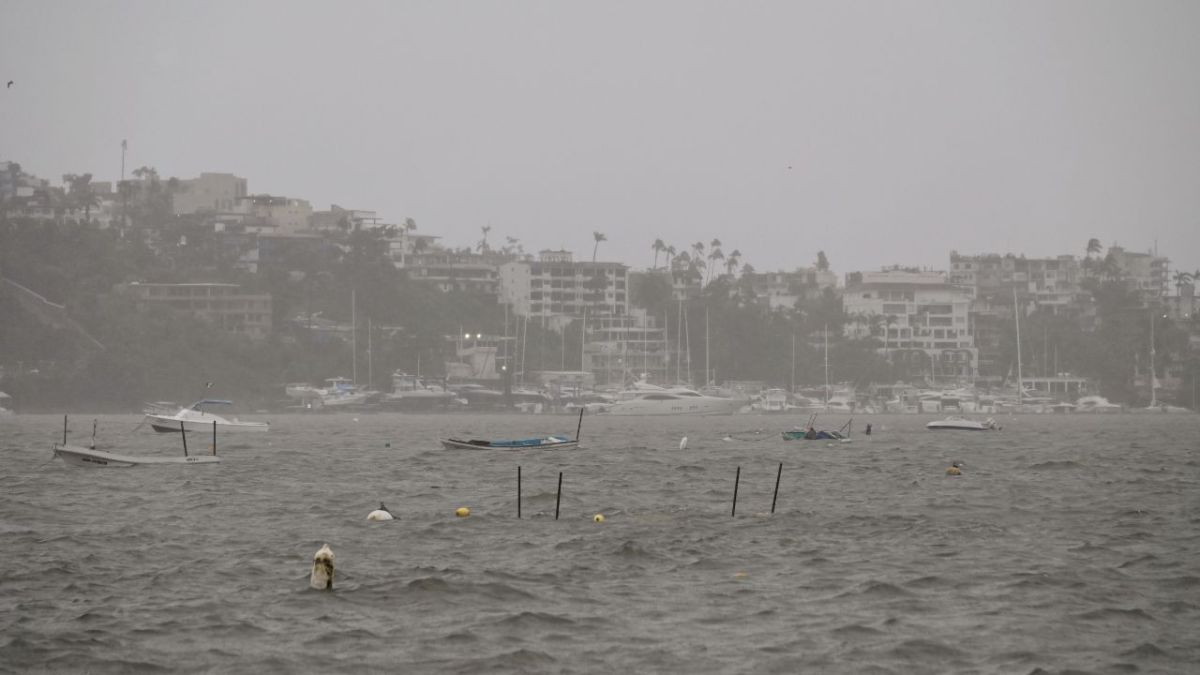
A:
(959, 424)
(100, 459)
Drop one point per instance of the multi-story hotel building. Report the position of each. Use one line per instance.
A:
(224, 305)
(924, 321)
(555, 286)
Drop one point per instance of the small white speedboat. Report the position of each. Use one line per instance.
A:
(963, 424)
(196, 418)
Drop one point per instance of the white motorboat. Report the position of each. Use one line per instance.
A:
(196, 418)
(963, 424)
(1097, 404)
(772, 401)
(675, 401)
(412, 393)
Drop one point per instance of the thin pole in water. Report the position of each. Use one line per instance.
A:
(214, 438)
(736, 479)
(778, 475)
(558, 498)
(183, 433)
(580, 425)
(95, 423)
(64, 429)
(518, 491)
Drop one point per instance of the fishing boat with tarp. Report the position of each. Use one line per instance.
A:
(93, 457)
(811, 433)
(551, 442)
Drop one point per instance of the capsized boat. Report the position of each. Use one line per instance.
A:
(813, 435)
(196, 418)
(79, 456)
(93, 457)
(963, 424)
(551, 442)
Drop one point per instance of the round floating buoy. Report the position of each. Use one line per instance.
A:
(462, 512)
(380, 513)
(599, 517)
(387, 445)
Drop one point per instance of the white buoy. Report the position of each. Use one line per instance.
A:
(683, 443)
(322, 569)
(380, 513)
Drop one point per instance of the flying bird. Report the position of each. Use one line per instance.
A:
(10, 84)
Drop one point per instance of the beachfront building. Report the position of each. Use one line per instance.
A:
(1051, 284)
(1145, 273)
(223, 305)
(554, 285)
(625, 347)
(782, 290)
(922, 320)
(208, 193)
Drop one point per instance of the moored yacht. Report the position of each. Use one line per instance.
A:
(674, 401)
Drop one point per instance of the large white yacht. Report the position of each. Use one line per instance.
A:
(674, 401)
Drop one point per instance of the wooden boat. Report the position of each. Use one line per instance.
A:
(816, 435)
(542, 443)
(537, 443)
(92, 457)
(811, 433)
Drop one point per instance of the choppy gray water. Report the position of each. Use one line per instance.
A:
(1070, 543)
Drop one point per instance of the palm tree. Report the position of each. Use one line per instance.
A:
(658, 247)
(713, 257)
(483, 245)
(599, 237)
(670, 252)
(1182, 279)
(80, 194)
(1094, 247)
(822, 261)
(731, 263)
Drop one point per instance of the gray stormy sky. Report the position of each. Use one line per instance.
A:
(881, 132)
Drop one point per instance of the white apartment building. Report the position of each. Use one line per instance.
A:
(923, 320)
(555, 285)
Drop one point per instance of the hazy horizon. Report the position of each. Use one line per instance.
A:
(881, 133)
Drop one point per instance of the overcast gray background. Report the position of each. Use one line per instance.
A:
(881, 132)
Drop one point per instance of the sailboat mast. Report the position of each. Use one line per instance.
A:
(370, 356)
(707, 376)
(1153, 398)
(826, 332)
(353, 337)
(1017, 320)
